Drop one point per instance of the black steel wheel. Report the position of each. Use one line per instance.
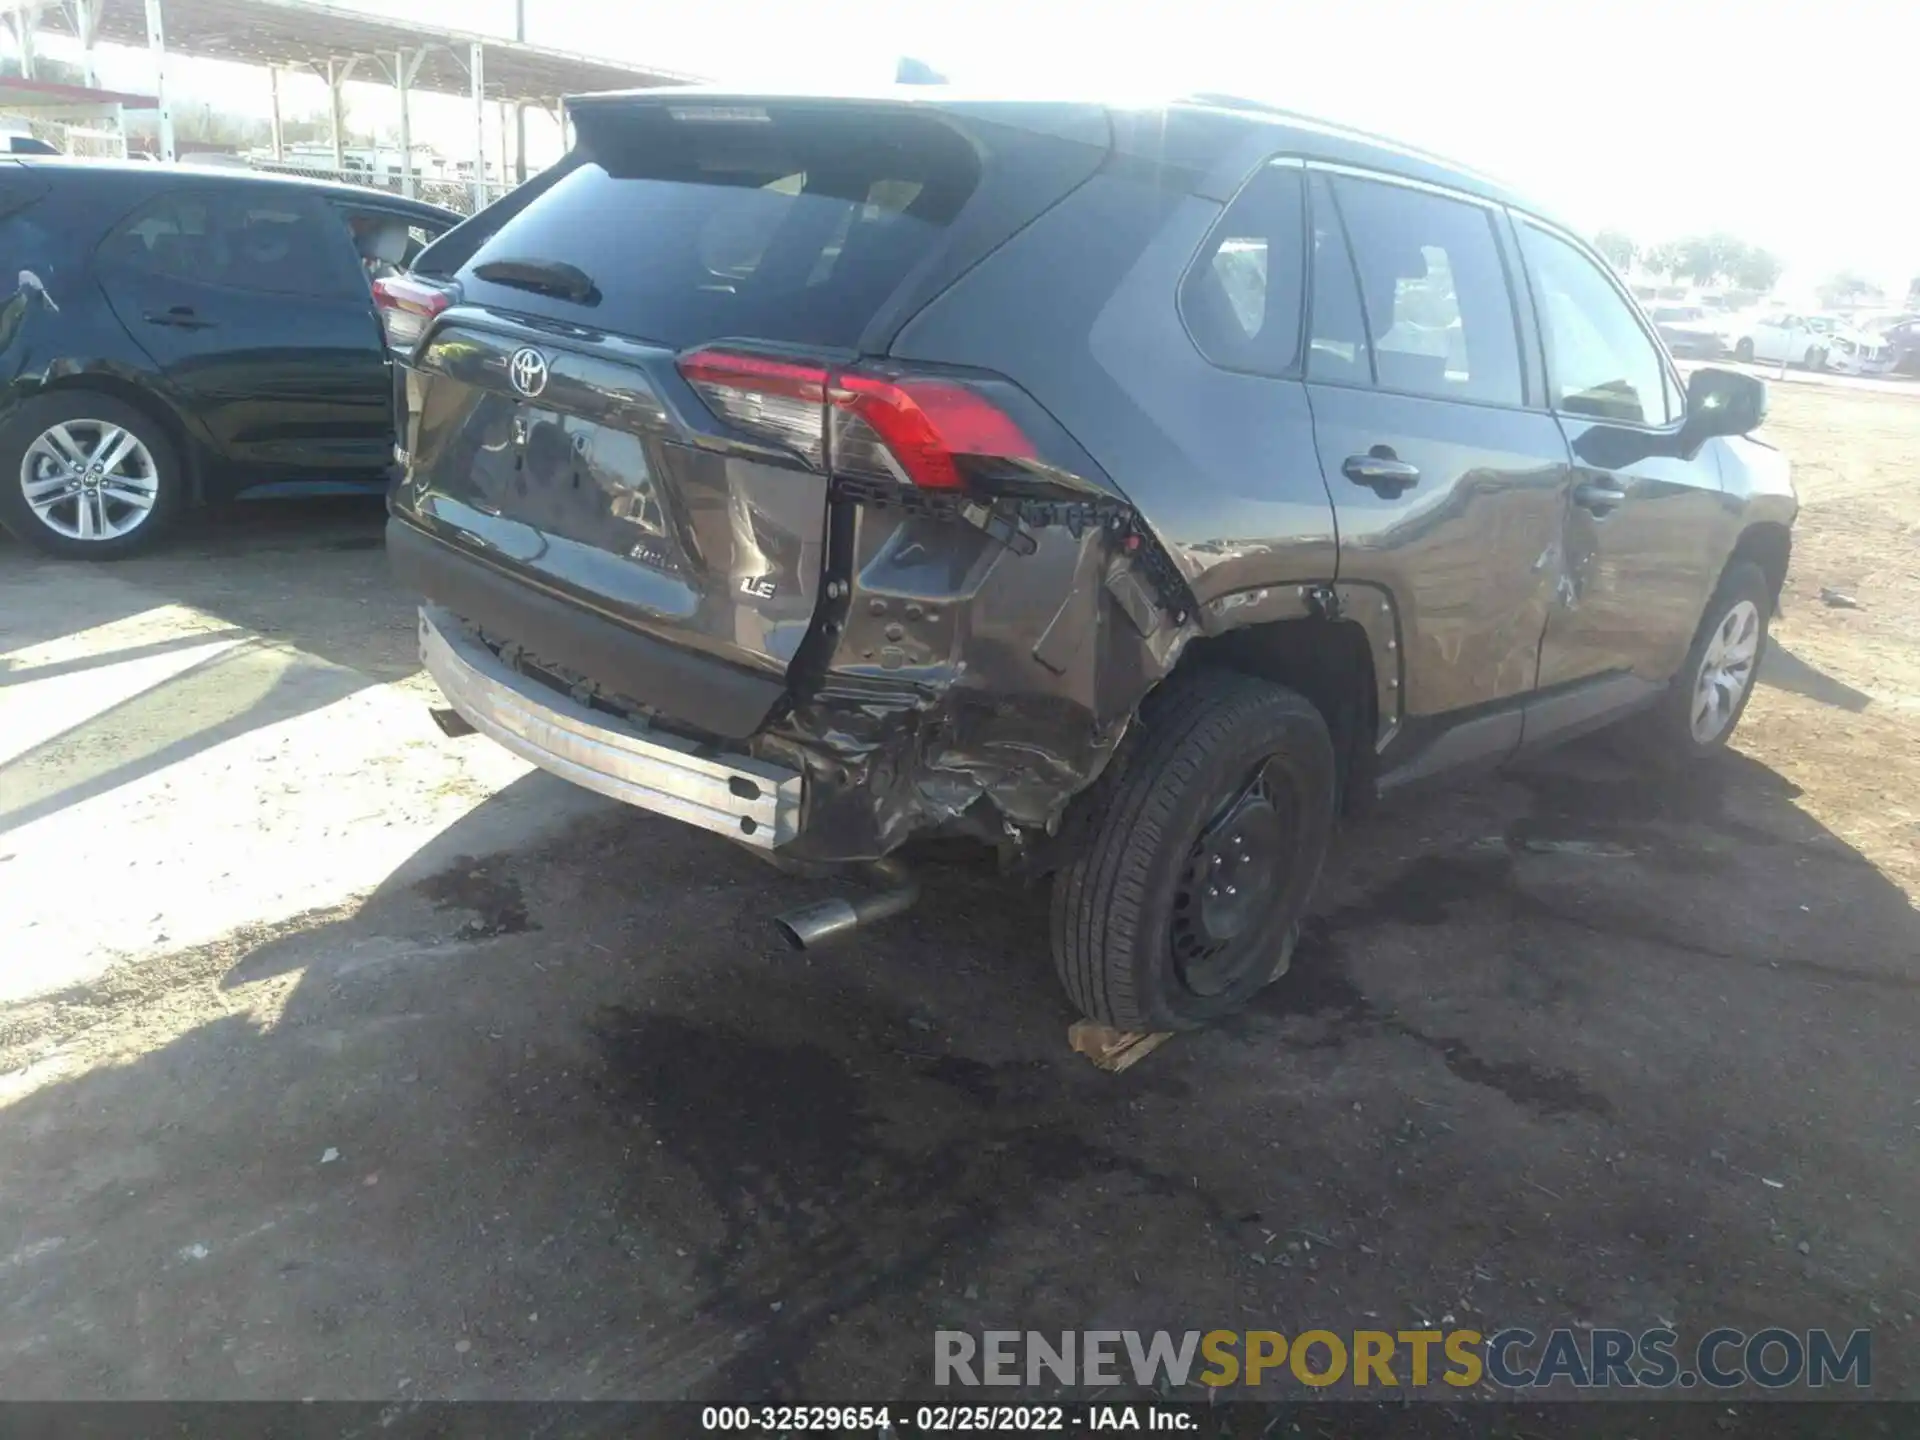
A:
(1207, 836)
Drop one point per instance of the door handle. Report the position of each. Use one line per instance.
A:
(1382, 471)
(180, 317)
(1599, 496)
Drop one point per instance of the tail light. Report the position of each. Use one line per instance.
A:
(407, 307)
(912, 430)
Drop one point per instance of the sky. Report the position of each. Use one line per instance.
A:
(1776, 122)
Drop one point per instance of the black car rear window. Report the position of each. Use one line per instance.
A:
(695, 223)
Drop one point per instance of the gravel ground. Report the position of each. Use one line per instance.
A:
(340, 1060)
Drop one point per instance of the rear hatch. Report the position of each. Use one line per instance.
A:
(624, 403)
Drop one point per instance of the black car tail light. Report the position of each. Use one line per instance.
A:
(407, 307)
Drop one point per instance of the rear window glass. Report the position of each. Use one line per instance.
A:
(1241, 298)
(785, 226)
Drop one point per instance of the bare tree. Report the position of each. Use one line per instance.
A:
(1848, 287)
(1617, 247)
(1662, 259)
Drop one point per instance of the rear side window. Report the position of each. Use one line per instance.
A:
(280, 243)
(1600, 362)
(1337, 349)
(699, 223)
(1437, 304)
(1241, 297)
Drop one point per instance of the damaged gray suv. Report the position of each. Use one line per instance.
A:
(1132, 490)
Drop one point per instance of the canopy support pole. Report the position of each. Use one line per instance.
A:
(519, 107)
(86, 21)
(477, 75)
(406, 65)
(24, 19)
(157, 47)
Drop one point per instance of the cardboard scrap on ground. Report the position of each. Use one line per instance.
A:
(1112, 1050)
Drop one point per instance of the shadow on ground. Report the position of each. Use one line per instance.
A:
(308, 573)
(303, 616)
(1784, 670)
(569, 1121)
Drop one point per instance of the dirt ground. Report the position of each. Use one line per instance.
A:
(340, 1060)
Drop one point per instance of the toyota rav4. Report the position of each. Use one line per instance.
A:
(1132, 489)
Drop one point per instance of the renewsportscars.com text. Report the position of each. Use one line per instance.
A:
(1375, 1360)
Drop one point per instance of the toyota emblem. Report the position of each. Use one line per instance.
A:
(528, 371)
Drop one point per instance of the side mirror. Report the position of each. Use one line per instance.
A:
(1724, 402)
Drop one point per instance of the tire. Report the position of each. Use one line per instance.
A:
(1140, 939)
(1666, 734)
(1816, 359)
(110, 505)
(1743, 351)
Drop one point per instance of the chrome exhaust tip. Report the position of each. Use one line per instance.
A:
(813, 925)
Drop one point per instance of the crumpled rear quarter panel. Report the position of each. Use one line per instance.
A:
(970, 674)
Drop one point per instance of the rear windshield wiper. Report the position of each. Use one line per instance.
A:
(543, 277)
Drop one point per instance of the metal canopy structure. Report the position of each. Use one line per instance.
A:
(339, 45)
(293, 34)
(46, 100)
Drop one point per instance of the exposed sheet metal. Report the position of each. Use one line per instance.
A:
(744, 799)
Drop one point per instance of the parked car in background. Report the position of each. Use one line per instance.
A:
(844, 520)
(19, 142)
(1690, 332)
(1783, 336)
(1851, 348)
(172, 335)
(1901, 336)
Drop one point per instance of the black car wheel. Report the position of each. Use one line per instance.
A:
(1207, 836)
(1743, 351)
(87, 476)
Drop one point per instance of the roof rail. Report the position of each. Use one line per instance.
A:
(1220, 100)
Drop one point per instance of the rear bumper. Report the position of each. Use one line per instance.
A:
(747, 800)
(699, 691)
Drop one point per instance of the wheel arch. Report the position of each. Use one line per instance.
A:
(1769, 545)
(1340, 663)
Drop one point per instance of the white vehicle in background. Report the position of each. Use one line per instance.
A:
(1815, 342)
(19, 142)
(1853, 348)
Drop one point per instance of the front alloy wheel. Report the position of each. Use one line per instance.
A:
(1726, 670)
(1708, 694)
(89, 480)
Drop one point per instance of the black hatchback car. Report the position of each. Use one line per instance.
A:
(1130, 490)
(171, 335)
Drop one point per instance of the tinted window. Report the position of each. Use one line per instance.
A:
(277, 243)
(1337, 347)
(1241, 298)
(1436, 296)
(795, 225)
(1599, 361)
